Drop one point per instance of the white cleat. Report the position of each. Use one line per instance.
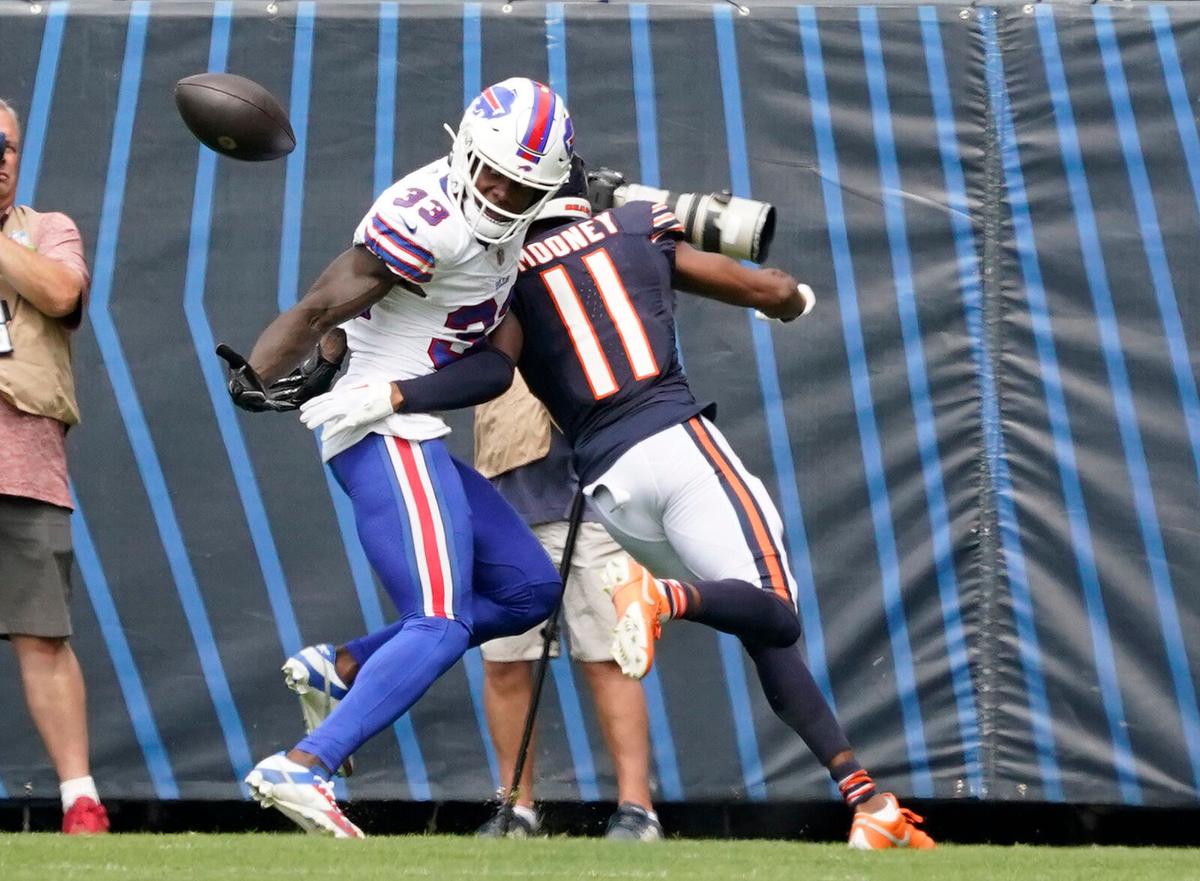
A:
(312, 675)
(630, 645)
(300, 795)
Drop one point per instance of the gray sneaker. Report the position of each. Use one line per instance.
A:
(505, 824)
(633, 823)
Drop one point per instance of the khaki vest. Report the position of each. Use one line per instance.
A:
(37, 376)
(510, 431)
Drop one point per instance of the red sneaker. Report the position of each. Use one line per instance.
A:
(85, 817)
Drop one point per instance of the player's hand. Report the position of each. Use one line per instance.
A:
(247, 389)
(602, 184)
(808, 297)
(316, 375)
(797, 305)
(347, 408)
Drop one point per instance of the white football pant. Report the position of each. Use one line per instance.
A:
(683, 505)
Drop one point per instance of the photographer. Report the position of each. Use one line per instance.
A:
(43, 279)
(530, 463)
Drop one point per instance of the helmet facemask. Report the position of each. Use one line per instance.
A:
(486, 220)
(520, 129)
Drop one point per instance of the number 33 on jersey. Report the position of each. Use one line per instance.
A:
(451, 290)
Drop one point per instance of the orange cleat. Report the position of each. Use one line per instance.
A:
(641, 609)
(85, 817)
(893, 826)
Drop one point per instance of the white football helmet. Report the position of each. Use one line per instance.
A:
(521, 129)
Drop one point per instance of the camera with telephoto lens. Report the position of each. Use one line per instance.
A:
(718, 222)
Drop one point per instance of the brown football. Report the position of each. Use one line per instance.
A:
(234, 116)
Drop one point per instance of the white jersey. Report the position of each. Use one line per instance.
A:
(420, 233)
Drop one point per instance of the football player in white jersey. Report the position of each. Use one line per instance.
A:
(594, 300)
(428, 276)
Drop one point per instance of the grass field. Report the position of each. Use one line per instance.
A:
(446, 858)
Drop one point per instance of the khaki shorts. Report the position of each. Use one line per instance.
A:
(588, 613)
(35, 568)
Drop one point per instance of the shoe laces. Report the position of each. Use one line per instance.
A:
(911, 816)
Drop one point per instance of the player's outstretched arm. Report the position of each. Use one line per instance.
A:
(481, 373)
(351, 284)
(771, 291)
(484, 372)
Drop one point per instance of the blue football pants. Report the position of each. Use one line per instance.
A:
(457, 561)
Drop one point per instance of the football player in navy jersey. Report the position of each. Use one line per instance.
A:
(592, 328)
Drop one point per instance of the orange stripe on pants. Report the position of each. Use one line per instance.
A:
(762, 535)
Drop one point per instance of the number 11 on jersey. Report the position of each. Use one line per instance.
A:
(620, 309)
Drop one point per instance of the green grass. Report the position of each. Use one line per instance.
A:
(265, 857)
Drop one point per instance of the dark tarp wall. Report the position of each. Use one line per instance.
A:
(985, 442)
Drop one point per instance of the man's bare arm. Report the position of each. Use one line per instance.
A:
(53, 288)
(771, 291)
(350, 285)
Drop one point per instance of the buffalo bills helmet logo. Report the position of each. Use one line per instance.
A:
(569, 136)
(495, 101)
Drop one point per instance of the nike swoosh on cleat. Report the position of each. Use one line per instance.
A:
(875, 827)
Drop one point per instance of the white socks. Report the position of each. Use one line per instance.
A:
(529, 815)
(76, 788)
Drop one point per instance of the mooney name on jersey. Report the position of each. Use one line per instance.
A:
(595, 301)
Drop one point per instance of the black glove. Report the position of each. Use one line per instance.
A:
(247, 389)
(602, 182)
(314, 377)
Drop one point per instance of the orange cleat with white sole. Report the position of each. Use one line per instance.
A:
(641, 609)
(893, 826)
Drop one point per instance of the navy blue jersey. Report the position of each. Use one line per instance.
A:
(595, 301)
(542, 490)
